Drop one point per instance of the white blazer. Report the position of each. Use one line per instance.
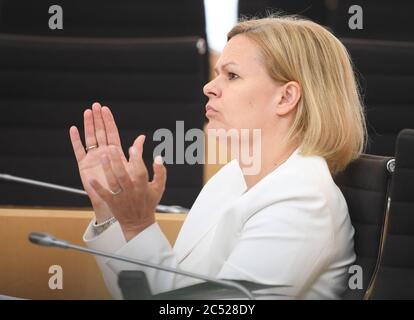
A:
(291, 228)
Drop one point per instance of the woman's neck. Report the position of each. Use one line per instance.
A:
(270, 157)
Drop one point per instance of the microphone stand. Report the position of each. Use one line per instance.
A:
(47, 240)
(8, 177)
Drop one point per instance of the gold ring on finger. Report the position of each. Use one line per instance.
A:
(91, 147)
(114, 193)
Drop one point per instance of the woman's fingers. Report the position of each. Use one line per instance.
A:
(77, 145)
(139, 171)
(160, 175)
(90, 139)
(119, 169)
(111, 178)
(112, 133)
(101, 191)
(100, 133)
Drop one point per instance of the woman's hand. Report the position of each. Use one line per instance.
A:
(130, 196)
(100, 133)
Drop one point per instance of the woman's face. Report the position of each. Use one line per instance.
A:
(242, 95)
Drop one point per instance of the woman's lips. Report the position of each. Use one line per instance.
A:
(210, 110)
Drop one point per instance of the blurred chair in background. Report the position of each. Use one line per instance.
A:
(106, 18)
(365, 186)
(386, 75)
(47, 82)
(395, 275)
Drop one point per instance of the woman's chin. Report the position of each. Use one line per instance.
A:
(213, 125)
(217, 127)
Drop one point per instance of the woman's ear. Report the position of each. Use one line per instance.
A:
(290, 96)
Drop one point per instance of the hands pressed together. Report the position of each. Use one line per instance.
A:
(117, 187)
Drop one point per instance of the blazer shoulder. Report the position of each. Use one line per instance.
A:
(303, 182)
(309, 171)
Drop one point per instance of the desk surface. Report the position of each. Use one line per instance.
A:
(24, 267)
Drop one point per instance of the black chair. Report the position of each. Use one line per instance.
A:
(386, 74)
(365, 184)
(395, 276)
(47, 82)
(382, 19)
(106, 18)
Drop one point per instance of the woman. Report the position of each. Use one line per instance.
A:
(286, 225)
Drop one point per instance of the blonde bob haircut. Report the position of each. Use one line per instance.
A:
(329, 120)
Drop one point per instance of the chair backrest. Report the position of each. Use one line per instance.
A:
(106, 18)
(395, 276)
(364, 184)
(47, 82)
(386, 75)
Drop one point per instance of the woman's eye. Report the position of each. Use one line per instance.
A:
(232, 76)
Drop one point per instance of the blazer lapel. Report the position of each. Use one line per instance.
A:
(217, 195)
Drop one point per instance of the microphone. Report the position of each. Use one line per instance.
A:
(8, 177)
(44, 239)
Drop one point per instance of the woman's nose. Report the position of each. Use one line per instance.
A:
(211, 90)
